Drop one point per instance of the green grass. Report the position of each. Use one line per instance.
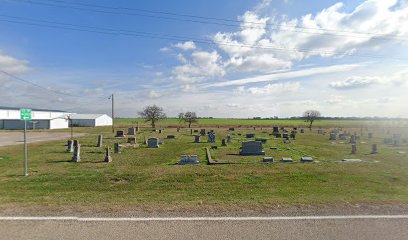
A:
(268, 122)
(142, 177)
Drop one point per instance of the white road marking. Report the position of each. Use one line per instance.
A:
(150, 219)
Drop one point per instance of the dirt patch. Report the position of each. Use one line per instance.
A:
(15, 138)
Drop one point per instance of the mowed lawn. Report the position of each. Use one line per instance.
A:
(142, 177)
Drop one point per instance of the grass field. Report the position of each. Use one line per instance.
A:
(142, 177)
(268, 122)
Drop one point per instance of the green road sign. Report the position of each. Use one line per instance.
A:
(25, 114)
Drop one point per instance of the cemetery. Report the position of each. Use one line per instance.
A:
(134, 166)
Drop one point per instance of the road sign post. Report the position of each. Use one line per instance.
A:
(25, 114)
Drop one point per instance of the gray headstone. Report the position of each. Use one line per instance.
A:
(131, 140)
(202, 132)
(267, 159)
(116, 148)
(120, 133)
(302, 130)
(108, 157)
(171, 137)
(70, 146)
(100, 141)
(252, 148)
(250, 135)
(353, 149)
(153, 143)
(131, 131)
(374, 149)
(188, 159)
(223, 143)
(228, 139)
(76, 157)
(333, 136)
(306, 159)
(197, 138)
(285, 159)
(211, 137)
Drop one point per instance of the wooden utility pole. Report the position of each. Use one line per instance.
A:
(113, 113)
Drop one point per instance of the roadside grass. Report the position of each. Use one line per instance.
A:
(142, 177)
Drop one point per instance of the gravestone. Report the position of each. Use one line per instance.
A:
(153, 143)
(333, 136)
(211, 137)
(293, 135)
(100, 141)
(137, 128)
(191, 131)
(287, 160)
(108, 157)
(250, 135)
(131, 140)
(116, 147)
(319, 131)
(267, 159)
(120, 133)
(251, 148)
(76, 157)
(231, 129)
(285, 135)
(171, 137)
(306, 159)
(374, 149)
(342, 136)
(275, 131)
(223, 143)
(214, 147)
(188, 159)
(178, 129)
(353, 149)
(228, 139)
(302, 130)
(76, 142)
(195, 131)
(131, 131)
(352, 139)
(388, 141)
(160, 131)
(197, 139)
(286, 141)
(70, 146)
(202, 132)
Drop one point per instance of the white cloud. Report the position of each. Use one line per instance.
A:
(201, 66)
(189, 45)
(276, 88)
(13, 65)
(286, 75)
(354, 82)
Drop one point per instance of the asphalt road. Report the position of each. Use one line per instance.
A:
(14, 138)
(345, 228)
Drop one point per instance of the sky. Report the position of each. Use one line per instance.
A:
(231, 58)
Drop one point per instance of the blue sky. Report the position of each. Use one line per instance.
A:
(279, 57)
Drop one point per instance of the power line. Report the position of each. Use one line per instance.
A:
(330, 32)
(115, 32)
(45, 88)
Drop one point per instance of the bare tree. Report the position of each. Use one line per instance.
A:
(310, 116)
(152, 114)
(188, 117)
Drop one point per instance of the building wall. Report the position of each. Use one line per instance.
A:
(83, 122)
(19, 125)
(59, 123)
(104, 120)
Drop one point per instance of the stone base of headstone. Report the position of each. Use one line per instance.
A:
(188, 159)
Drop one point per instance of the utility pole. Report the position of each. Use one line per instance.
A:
(113, 113)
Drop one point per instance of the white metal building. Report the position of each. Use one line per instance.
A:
(90, 120)
(50, 119)
(41, 119)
